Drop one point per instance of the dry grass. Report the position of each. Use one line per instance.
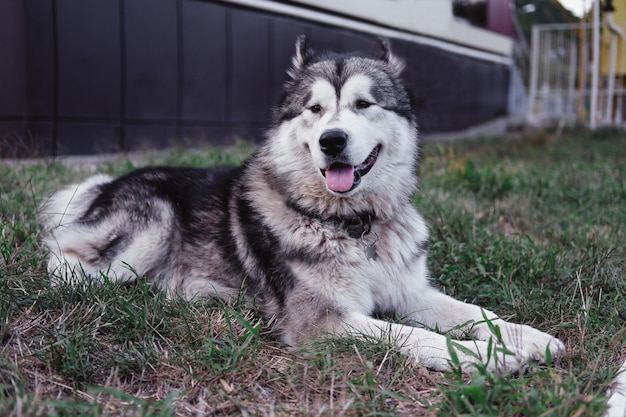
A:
(175, 371)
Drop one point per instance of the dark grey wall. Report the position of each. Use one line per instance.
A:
(12, 71)
(85, 76)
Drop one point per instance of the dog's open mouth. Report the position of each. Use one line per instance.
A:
(342, 178)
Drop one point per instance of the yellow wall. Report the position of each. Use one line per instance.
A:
(619, 17)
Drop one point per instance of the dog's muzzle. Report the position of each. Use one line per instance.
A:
(341, 177)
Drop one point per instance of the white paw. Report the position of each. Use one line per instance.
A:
(495, 357)
(526, 342)
(530, 343)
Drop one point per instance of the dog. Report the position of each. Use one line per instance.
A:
(317, 227)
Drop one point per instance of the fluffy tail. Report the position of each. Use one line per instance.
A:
(70, 203)
(57, 216)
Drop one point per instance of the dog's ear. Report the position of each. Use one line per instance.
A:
(395, 64)
(301, 57)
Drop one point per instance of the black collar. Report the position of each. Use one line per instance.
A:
(357, 225)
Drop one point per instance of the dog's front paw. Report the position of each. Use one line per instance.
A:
(524, 342)
(467, 355)
(529, 343)
(495, 357)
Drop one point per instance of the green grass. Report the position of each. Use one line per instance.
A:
(531, 227)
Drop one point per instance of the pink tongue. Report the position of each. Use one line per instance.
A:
(340, 178)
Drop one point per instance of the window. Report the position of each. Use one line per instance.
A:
(474, 11)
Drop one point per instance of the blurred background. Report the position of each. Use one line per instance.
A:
(92, 76)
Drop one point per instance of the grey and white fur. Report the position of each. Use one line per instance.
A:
(317, 227)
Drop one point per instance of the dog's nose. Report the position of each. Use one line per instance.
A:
(333, 142)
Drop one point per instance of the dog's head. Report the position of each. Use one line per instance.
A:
(349, 119)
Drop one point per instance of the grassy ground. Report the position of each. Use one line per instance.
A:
(532, 228)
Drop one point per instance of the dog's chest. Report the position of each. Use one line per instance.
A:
(369, 272)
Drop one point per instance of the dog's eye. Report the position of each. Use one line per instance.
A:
(362, 104)
(316, 108)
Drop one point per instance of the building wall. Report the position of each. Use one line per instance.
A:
(12, 71)
(432, 18)
(90, 76)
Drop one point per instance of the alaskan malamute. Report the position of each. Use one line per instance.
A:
(318, 227)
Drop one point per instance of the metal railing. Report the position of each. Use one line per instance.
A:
(560, 78)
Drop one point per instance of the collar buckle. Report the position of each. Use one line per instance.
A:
(358, 226)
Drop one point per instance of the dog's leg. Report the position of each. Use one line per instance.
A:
(436, 310)
(432, 349)
(315, 316)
